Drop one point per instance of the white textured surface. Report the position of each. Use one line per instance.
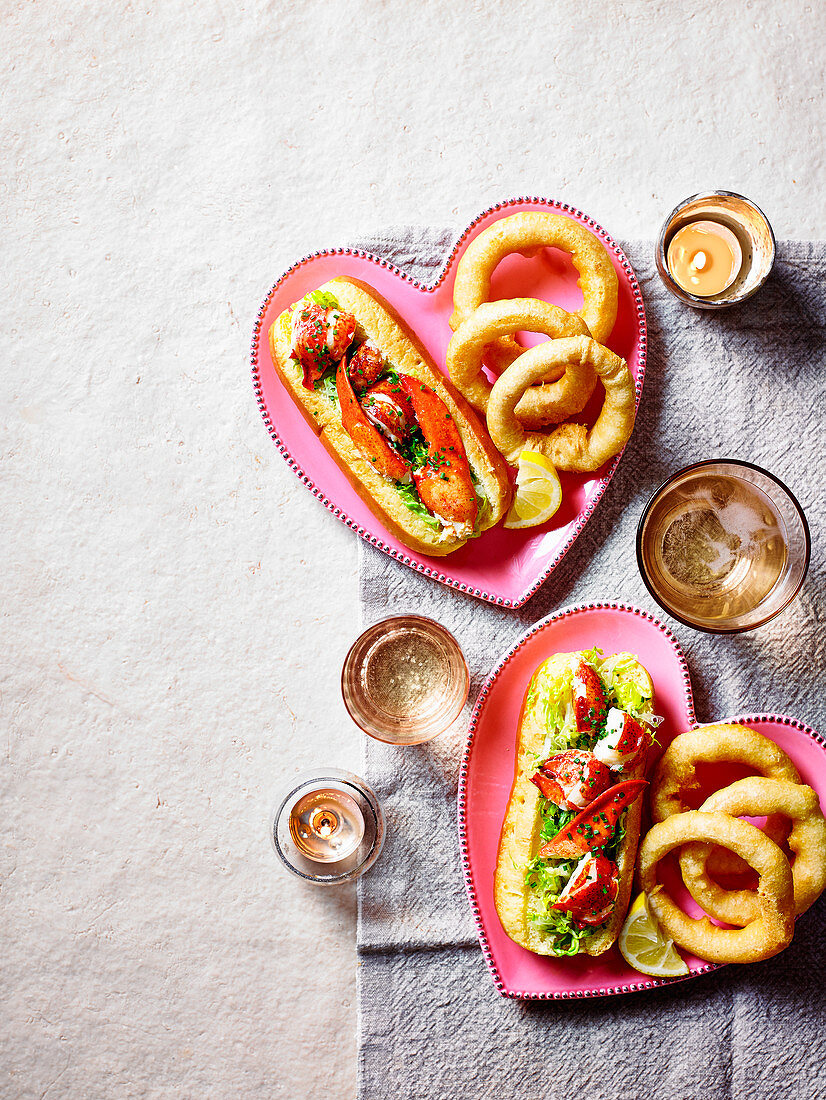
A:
(175, 605)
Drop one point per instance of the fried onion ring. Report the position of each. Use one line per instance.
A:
(527, 233)
(570, 446)
(723, 862)
(757, 797)
(727, 743)
(538, 406)
(772, 928)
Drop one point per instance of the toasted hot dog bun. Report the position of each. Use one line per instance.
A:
(378, 321)
(520, 838)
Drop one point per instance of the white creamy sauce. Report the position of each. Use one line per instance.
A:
(295, 325)
(460, 530)
(331, 317)
(606, 748)
(577, 871)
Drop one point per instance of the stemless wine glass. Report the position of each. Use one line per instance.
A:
(723, 546)
(405, 680)
(327, 826)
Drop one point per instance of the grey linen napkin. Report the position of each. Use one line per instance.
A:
(745, 383)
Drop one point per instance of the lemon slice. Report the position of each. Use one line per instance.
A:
(538, 492)
(643, 946)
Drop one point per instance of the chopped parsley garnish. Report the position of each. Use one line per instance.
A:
(415, 449)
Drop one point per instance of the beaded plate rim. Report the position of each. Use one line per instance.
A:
(339, 513)
(688, 699)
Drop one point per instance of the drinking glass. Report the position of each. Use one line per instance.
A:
(723, 546)
(405, 680)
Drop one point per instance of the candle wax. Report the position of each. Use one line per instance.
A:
(704, 258)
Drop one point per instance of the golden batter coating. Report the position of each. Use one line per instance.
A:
(568, 446)
(539, 405)
(527, 233)
(772, 928)
(758, 797)
(726, 743)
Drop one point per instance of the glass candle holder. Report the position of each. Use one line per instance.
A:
(731, 223)
(327, 827)
(405, 680)
(723, 546)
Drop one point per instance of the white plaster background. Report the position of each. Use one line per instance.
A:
(175, 605)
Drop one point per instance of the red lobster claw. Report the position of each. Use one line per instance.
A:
(591, 891)
(366, 436)
(444, 482)
(595, 826)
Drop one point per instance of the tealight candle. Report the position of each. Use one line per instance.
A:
(705, 258)
(327, 827)
(715, 250)
(327, 823)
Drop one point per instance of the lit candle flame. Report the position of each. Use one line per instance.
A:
(324, 823)
(698, 260)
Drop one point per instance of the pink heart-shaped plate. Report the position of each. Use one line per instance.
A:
(487, 776)
(505, 567)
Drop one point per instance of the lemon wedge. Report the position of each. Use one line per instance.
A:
(643, 946)
(538, 492)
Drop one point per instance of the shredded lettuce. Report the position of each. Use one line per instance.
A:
(547, 878)
(624, 690)
(546, 881)
(532, 694)
(553, 694)
(415, 448)
(554, 819)
(612, 847)
(594, 658)
(326, 384)
(410, 498)
(325, 299)
(629, 697)
(484, 508)
(567, 936)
